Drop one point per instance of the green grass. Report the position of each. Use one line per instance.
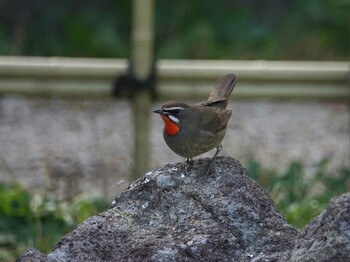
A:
(301, 196)
(39, 221)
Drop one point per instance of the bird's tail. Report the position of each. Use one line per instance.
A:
(222, 90)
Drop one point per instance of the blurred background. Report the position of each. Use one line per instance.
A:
(64, 158)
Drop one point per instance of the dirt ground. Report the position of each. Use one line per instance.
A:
(71, 147)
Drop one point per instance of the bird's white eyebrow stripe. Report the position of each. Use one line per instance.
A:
(173, 108)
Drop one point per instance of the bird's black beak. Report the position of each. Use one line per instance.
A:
(158, 111)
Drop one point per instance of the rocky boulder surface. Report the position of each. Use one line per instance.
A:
(176, 213)
(326, 237)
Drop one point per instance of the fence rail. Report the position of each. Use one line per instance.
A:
(90, 77)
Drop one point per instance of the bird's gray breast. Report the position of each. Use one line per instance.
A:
(193, 142)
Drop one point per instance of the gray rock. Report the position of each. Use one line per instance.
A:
(176, 213)
(33, 255)
(327, 237)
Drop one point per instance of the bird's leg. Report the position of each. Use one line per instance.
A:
(189, 161)
(218, 149)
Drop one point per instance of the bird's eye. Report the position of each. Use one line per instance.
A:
(175, 112)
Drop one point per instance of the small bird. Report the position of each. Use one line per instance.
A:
(191, 130)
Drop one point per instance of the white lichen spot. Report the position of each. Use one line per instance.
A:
(189, 243)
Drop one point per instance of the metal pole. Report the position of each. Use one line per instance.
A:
(142, 40)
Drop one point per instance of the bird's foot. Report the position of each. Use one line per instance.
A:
(189, 161)
(208, 172)
(218, 149)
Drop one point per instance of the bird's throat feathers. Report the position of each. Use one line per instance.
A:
(170, 127)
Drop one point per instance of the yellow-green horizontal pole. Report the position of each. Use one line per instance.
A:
(324, 91)
(54, 87)
(61, 67)
(258, 70)
(107, 68)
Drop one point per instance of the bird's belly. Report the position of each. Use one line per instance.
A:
(189, 146)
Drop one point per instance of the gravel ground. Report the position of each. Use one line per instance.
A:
(69, 147)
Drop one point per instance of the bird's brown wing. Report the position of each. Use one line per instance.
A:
(214, 120)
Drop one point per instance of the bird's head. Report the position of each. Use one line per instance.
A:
(173, 114)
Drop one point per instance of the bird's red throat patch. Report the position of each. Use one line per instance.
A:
(170, 127)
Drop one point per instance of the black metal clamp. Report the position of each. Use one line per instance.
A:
(126, 85)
